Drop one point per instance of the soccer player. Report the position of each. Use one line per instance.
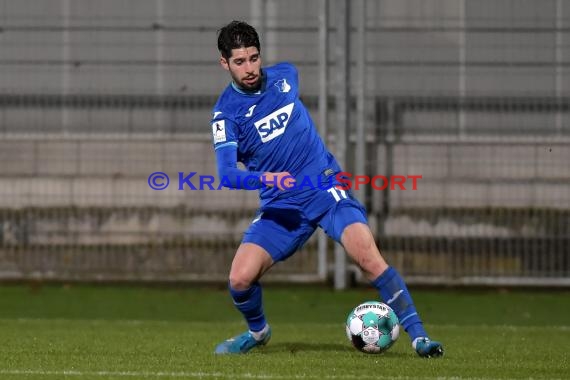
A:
(259, 120)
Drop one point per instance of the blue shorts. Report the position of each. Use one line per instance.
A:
(282, 227)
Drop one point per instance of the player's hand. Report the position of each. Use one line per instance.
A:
(283, 180)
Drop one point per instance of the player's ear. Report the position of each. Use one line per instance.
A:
(224, 63)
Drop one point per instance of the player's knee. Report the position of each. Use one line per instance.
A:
(361, 247)
(240, 281)
(357, 239)
(372, 265)
(365, 244)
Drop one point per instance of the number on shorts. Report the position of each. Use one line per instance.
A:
(335, 193)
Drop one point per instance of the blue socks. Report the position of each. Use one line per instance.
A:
(390, 285)
(395, 294)
(249, 303)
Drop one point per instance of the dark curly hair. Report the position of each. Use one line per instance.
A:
(235, 35)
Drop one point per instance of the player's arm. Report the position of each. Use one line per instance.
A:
(233, 177)
(230, 175)
(225, 144)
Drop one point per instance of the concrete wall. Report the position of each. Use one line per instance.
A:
(150, 46)
(76, 172)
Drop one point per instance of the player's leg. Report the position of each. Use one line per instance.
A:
(249, 264)
(274, 236)
(346, 223)
(359, 243)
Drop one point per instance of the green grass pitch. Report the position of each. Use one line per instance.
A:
(114, 332)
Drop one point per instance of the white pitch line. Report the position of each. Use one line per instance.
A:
(165, 322)
(194, 375)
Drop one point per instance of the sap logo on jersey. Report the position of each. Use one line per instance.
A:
(274, 125)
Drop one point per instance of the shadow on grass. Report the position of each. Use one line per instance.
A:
(301, 347)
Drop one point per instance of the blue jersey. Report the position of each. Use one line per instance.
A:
(272, 130)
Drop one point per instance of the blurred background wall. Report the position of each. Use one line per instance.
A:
(97, 95)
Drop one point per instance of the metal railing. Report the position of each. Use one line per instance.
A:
(492, 207)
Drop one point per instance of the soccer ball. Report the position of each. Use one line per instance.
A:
(372, 327)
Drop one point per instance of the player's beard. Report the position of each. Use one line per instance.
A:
(248, 86)
(252, 83)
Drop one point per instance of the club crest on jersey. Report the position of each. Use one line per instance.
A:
(219, 131)
(282, 85)
(274, 125)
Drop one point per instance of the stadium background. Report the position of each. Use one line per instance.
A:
(472, 95)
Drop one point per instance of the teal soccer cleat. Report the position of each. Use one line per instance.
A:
(427, 348)
(242, 343)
